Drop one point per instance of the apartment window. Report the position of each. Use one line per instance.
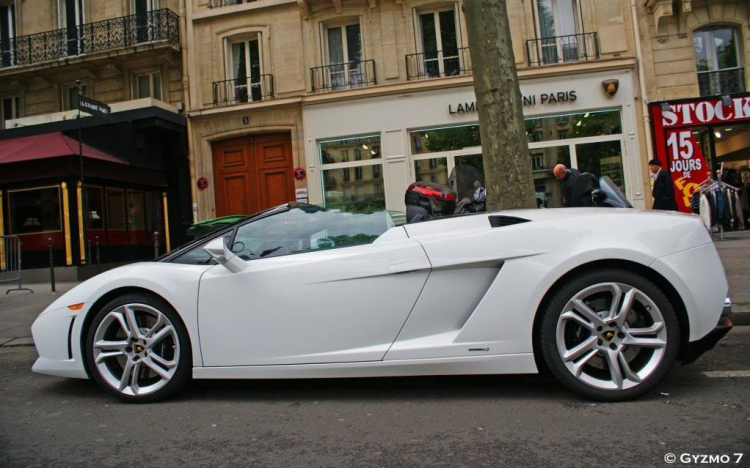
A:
(11, 110)
(558, 23)
(344, 52)
(148, 85)
(70, 96)
(718, 61)
(438, 38)
(70, 18)
(246, 66)
(7, 35)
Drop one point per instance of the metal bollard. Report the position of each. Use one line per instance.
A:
(51, 264)
(98, 253)
(88, 255)
(156, 244)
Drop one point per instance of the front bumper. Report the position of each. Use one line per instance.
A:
(695, 349)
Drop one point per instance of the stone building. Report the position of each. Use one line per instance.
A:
(348, 101)
(696, 55)
(131, 179)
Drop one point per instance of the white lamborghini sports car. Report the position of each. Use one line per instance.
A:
(606, 300)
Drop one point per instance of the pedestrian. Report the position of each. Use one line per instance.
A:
(567, 178)
(663, 192)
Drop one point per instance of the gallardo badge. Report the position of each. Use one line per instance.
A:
(611, 87)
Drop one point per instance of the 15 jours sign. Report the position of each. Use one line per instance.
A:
(559, 97)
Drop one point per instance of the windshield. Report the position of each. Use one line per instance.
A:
(615, 197)
(301, 228)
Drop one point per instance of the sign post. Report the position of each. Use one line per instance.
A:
(98, 110)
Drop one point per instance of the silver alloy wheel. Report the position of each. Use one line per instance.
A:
(136, 349)
(611, 336)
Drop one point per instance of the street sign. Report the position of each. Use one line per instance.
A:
(95, 108)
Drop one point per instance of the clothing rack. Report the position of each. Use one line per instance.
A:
(712, 184)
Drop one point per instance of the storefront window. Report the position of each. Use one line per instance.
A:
(358, 185)
(115, 209)
(350, 149)
(445, 139)
(602, 159)
(154, 215)
(136, 219)
(732, 144)
(431, 170)
(543, 160)
(34, 210)
(564, 127)
(93, 202)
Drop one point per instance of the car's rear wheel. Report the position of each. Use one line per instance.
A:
(609, 334)
(138, 349)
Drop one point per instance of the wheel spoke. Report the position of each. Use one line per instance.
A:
(162, 362)
(123, 324)
(587, 313)
(106, 355)
(570, 315)
(160, 336)
(629, 374)
(157, 325)
(581, 349)
(134, 379)
(578, 366)
(614, 368)
(644, 342)
(614, 307)
(135, 332)
(154, 367)
(622, 311)
(652, 330)
(126, 373)
(117, 345)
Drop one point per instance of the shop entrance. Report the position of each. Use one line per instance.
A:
(252, 173)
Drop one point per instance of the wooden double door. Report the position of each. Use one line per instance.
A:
(252, 173)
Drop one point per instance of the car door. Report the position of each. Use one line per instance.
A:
(319, 286)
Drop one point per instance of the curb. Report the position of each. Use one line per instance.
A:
(740, 318)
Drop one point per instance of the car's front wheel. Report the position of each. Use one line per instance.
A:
(609, 334)
(138, 349)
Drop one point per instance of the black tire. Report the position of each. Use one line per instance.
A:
(555, 308)
(183, 370)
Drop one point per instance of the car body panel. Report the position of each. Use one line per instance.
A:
(335, 305)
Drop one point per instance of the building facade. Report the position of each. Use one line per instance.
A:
(344, 103)
(696, 55)
(93, 187)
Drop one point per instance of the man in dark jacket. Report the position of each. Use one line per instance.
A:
(567, 178)
(663, 192)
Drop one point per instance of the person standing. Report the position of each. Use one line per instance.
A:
(663, 192)
(567, 178)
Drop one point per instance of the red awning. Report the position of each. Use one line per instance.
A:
(49, 145)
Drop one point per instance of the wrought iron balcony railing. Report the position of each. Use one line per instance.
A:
(721, 82)
(562, 49)
(223, 3)
(154, 26)
(237, 91)
(438, 64)
(343, 76)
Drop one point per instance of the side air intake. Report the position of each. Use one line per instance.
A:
(502, 221)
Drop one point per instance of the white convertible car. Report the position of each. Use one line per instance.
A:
(605, 299)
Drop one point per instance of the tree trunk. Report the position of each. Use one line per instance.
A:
(505, 151)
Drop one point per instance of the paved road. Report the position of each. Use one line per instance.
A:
(457, 421)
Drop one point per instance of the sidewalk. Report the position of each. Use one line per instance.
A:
(18, 310)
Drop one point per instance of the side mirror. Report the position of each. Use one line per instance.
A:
(220, 251)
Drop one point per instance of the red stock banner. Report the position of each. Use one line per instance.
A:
(676, 146)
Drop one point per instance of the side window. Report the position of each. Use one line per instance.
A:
(309, 229)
